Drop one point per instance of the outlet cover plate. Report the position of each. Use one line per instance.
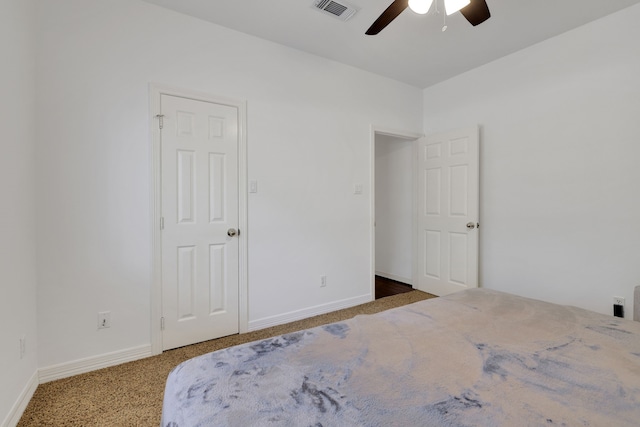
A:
(23, 346)
(104, 319)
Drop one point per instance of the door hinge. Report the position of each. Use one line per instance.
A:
(160, 118)
(162, 323)
(161, 223)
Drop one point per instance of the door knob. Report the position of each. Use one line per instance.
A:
(232, 232)
(471, 225)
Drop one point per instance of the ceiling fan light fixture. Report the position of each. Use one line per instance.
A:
(452, 6)
(420, 6)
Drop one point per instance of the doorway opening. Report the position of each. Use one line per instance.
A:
(393, 212)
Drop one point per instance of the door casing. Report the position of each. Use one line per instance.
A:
(155, 91)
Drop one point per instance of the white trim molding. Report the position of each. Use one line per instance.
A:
(155, 92)
(18, 408)
(88, 364)
(293, 316)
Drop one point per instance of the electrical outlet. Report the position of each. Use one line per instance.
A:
(618, 301)
(323, 281)
(104, 319)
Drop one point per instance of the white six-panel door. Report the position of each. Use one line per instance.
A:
(199, 175)
(448, 211)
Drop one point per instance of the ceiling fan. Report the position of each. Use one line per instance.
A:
(475, 11)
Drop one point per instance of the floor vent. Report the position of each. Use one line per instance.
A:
(342, 11)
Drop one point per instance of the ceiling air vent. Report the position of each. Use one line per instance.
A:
(340, 10)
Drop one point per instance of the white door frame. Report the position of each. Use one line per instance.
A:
(155, 91)
(409, 136)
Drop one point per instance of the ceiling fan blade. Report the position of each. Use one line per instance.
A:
(476, 12)
(391, 13)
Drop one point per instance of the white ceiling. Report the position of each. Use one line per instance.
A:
(412, 49)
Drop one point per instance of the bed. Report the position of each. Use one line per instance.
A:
(474, 358)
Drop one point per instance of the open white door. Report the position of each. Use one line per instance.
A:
(200, 217)
(448, 211)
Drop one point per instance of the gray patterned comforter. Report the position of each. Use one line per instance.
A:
(474, 358)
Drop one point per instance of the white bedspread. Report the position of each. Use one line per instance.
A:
(475, 358)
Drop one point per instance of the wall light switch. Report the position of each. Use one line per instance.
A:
(253, 186)
(357, 189)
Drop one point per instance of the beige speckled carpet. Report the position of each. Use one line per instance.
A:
(131, 394)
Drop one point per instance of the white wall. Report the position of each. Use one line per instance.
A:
(560, 149)
(308, 141)
(394, 208)
(17, 205)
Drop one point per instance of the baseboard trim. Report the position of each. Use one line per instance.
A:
(94, 363)
(405, 280)
(293, 316)
(18, 408)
